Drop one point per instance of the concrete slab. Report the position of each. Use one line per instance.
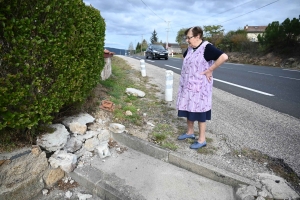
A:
(134, 175)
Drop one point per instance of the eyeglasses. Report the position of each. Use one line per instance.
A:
(188, 38)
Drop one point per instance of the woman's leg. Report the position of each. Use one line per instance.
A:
(202, 127)
(190, 127)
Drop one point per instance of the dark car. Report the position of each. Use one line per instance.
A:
(156, 51)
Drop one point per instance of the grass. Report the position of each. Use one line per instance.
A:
(161, 135)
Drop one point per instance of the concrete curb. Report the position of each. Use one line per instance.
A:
(104, 185)
(200, 168)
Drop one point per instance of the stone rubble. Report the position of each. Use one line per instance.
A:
(76, 149)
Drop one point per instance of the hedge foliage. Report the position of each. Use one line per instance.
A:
(51, 55)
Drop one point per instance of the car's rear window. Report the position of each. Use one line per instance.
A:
(158, 47)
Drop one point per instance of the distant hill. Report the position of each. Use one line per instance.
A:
(116, 51)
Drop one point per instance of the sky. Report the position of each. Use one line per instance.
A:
(131, 21)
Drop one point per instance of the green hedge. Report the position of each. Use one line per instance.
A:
(51, 56)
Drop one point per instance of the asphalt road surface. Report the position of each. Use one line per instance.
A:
(275, 88)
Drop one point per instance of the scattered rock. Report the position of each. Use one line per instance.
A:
(66, 161)
(77, 128)
(135, 92)
(52, 176)
(54, 141)
(84, 196)
(22, 177)
(277, 186)
(68, 194)
(82, 118)
(128, 113)
(116, 128)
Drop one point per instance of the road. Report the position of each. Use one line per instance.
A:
(275, 88)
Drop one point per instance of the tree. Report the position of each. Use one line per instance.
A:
(138, 47)
(180, 36)
(210, 31)
(154, 37)
(130, 48)
(144, 45)
(281, 38)
(213, 33)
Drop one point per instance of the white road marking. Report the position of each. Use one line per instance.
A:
(289, 78)
(273, 75)
(246, 88)
(291, 70)
(233, 63)
(260, 73)
(173, 67)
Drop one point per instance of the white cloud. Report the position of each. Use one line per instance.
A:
(131, 20)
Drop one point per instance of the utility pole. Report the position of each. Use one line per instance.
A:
(142, 45)
(167, 45)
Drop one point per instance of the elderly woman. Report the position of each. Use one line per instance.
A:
(194, 99)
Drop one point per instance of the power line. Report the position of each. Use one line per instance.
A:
(244, 13)
(228, 10)
(250, 11)
(233, 8)
(153, 11)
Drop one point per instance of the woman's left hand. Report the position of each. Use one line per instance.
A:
(208, 74)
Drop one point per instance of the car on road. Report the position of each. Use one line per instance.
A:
(156, 51)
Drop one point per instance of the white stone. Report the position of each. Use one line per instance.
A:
(56, 140)
(128, 113)
(80, 152)
(116, 128)
(150, 124)
(277, 186)
(87, 135)
(83, 196)
(245, 191)
(135, 92)
(103, 150)
(68, 194)
(45, 192)
(264, 193)
(90, 144)
(66, 161)
(73, 145)
(260, 198)
(104, 135)
(77, 128)
(82, 118)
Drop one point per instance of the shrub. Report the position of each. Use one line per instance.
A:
(51, 55)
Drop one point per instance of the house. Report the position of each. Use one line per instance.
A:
(254, 31)
(173, 48)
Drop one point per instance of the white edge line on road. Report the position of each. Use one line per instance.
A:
(173, 67)
(260, 73)
(290, 78)
(233, 63)
(291, 70)
(246, 88)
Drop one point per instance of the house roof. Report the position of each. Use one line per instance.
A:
(173, 45)
(255, 29)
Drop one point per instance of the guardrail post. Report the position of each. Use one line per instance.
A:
(169, 85)
(143, 68)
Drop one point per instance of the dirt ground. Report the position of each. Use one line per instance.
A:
(269, 59)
